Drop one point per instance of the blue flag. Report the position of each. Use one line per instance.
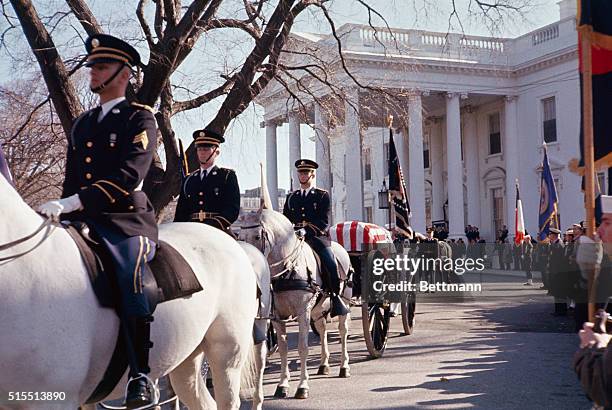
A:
(549, 201)
(4, 169)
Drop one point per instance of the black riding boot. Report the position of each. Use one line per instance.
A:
(138, 391)
(331, 277)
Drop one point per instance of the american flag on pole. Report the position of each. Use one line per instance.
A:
(519, 223)
(398, 199)
(596, 16)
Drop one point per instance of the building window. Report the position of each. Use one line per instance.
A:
(494, 134)
(426, 154)
(498, 209)
(549, 119)
(368, 214)
(367, 164)
(603, 186)
(386, 159)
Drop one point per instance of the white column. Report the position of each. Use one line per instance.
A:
(511, 156)
(435, 154)
(322, 149)
(272, 162)
(295, 147)
(456, 224)
(472, 167)
(415, 163)
(353, 177)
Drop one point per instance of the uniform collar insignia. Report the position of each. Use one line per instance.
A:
(115, 111)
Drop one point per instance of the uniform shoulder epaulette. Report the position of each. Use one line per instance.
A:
(195, 172)
(322, 191)
(142, 107)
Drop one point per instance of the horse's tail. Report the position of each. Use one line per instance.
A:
(252, 371)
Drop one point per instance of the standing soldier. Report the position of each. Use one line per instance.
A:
(308, 208)
(557, 275)
(109, 154)
(210, 194)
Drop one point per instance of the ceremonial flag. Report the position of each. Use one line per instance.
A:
(398, 200)
(596, 15)
(519, 223)
(548, 201)
(4, 169)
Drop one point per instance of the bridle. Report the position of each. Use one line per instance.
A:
(9, 245)
(288, 262)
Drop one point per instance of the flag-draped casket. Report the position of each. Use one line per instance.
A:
(356, 236)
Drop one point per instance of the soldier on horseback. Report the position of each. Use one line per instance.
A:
(210, 194)
(308, 208)
(110, 151)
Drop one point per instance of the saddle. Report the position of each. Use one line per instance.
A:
(168, 276)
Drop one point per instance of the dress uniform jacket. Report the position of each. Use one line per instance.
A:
(310, 212)
(216, 196)
(106, 164)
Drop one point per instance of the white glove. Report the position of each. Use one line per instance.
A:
(589, 253)
(53, 209)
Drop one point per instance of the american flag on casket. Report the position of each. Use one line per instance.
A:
(356, 236)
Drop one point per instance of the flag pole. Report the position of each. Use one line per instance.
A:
(390, 126)
(588, 148)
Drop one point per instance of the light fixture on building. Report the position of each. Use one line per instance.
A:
(383, 197)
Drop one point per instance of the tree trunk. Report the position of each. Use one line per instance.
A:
(62, 91)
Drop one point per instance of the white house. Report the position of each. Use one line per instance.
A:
(476, 113)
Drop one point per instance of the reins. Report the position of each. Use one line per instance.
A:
(288, 261)
(9, 245)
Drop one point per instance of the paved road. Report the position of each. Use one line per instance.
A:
(505, 352)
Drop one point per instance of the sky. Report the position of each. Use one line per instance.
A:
(245, 146)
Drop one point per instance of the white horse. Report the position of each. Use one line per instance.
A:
(56, 338)
(272, 233)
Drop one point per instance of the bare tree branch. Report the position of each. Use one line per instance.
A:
(85, 16)
(63, 93)
(143, 23)
(179, 106)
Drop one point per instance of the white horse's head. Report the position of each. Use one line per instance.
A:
(270, 231)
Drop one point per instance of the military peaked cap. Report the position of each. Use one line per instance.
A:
(207, 137)
(103, 48)
(306, 165)
(554, 230)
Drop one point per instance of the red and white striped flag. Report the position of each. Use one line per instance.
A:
(519, 223)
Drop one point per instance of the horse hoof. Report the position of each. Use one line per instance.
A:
(345, 373)
(323, 371)
(281, 392)
(301, 393)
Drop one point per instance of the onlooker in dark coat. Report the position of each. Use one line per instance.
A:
(508, 255)
(557, 272)
(527, 257)
(541, 258)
